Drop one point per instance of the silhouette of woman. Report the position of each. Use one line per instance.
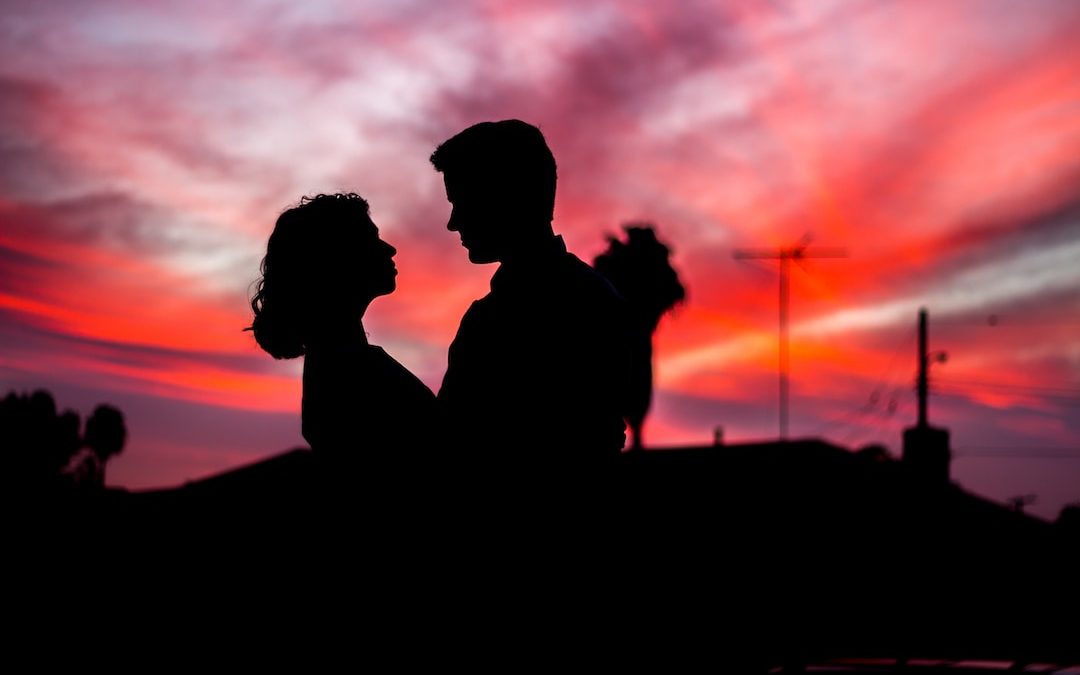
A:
(324, 264)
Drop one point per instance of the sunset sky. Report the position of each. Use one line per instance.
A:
(147, 148)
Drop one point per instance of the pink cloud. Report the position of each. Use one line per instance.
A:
(156, 146)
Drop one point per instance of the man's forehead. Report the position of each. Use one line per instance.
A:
(466, 183)
(460, 184)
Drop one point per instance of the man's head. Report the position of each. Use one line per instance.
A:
(500, 180)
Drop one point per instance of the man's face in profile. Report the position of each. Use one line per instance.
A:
(478, 216)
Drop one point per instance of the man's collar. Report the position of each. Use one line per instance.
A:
(521, 267)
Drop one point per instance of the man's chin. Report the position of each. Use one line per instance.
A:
(482, 257)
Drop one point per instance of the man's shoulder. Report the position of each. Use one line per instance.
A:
(590, 284)
(564, 283)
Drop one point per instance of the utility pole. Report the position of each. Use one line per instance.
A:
(924, 370)
(925, 358)
(926, 449)
(800, 251)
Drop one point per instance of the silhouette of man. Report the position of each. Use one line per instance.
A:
(539, 365)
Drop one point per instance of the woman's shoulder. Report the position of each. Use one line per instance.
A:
(389, 367)
(365, 396)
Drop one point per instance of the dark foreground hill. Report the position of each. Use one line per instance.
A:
(761, 553)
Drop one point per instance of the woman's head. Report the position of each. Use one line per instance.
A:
(324, 264)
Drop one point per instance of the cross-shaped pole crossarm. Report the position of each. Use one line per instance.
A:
(757, 253)
(821, 252)
(797, 253)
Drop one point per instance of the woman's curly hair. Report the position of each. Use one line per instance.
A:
(304, 242)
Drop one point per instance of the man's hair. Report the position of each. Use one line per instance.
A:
(510, 157)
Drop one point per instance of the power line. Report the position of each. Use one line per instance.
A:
(874, 424)
(884, 382)
(1018, 452)
(967, 393)
(1068, 391)
(849, 419)
(962, 390)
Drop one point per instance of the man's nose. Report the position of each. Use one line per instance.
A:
(452, 224)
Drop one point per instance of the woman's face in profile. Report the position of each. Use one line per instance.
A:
(350, 269)
(375, 272)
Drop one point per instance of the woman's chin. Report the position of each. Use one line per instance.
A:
(387, 288)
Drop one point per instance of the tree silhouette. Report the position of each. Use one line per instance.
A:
(104, 438)
(37, 442)
(43, 450)
(639, 267)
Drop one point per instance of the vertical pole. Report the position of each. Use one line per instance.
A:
(924, 367)
(784, 257)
